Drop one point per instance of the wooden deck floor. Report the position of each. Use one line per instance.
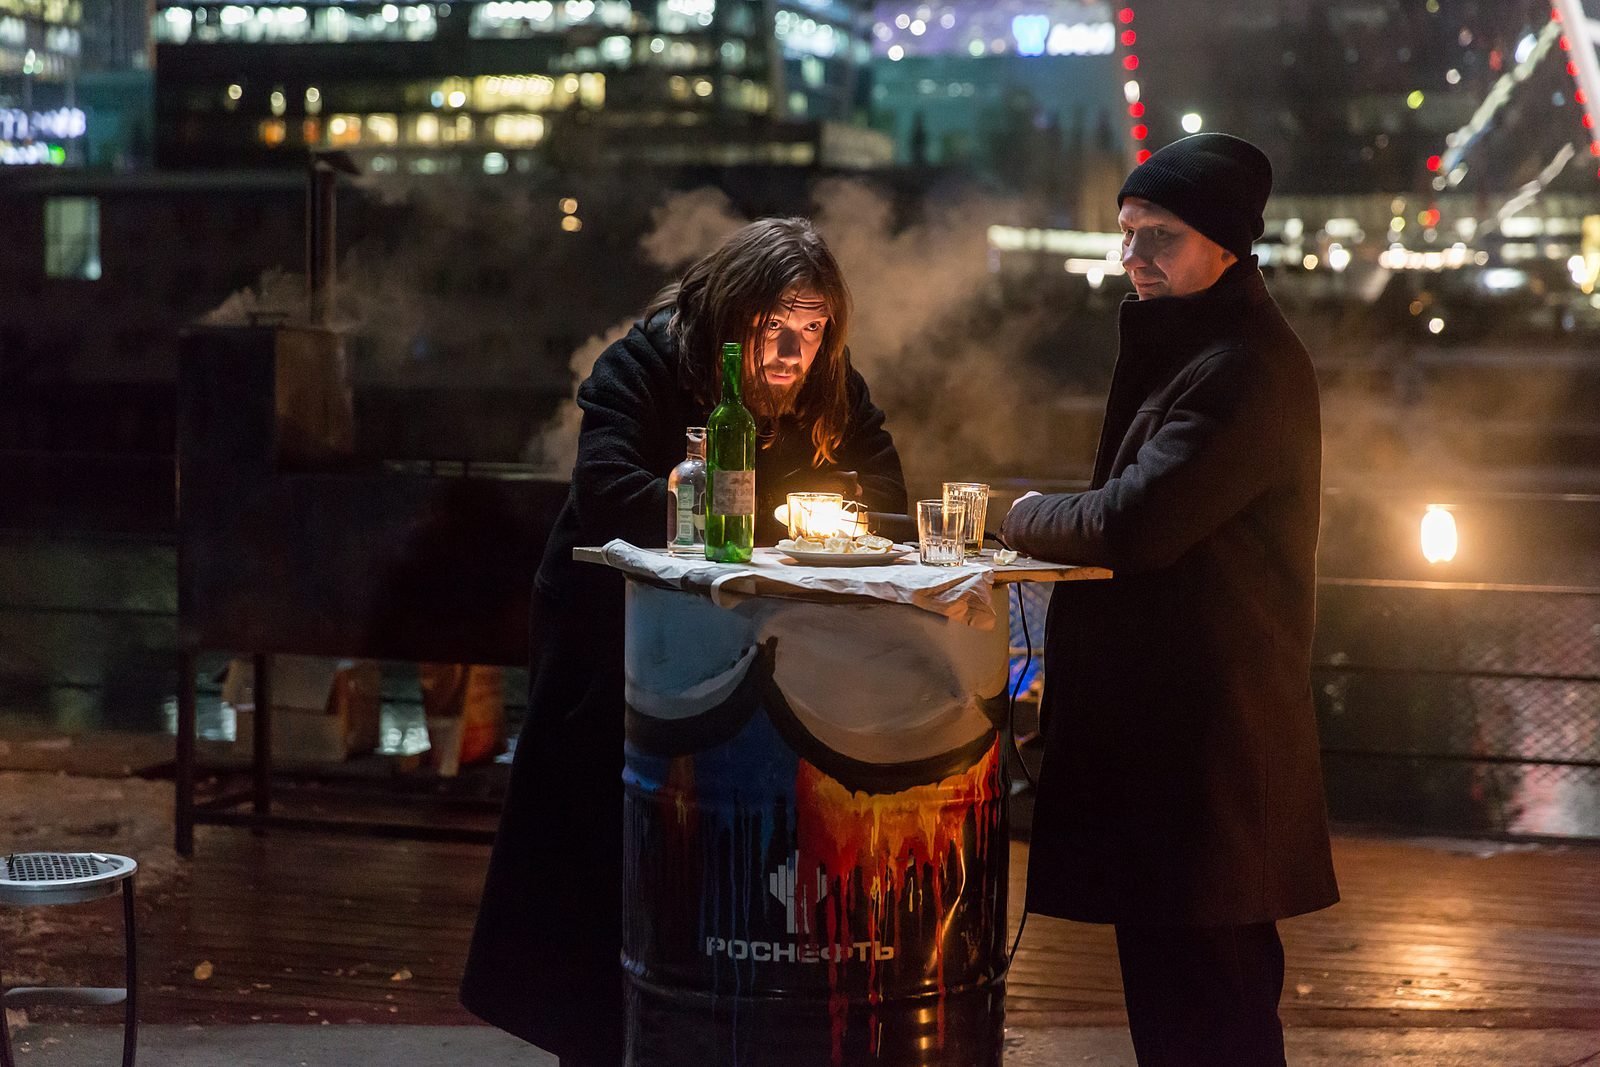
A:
(300, 928)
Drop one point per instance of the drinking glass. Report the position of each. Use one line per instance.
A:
(976, 496)
(940, 524)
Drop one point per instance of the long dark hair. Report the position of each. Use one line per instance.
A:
(725, 294)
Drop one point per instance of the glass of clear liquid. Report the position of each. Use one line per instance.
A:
(976, 496)
(940, 524)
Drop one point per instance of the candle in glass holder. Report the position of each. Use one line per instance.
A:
(816, 516)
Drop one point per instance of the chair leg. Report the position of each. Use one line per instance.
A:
(130, 1009)
(261, 800)
(6, 1058)
(183, 774)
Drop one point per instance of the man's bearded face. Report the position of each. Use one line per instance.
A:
(789, 341)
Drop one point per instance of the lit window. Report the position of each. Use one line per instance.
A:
(384, 129)
(344, 130)
(516, 129)
(72, 238)
(523, 92)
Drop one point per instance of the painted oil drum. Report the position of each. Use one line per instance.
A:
(815, 848)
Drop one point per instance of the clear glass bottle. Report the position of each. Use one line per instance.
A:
(731, 468)
(686, 499)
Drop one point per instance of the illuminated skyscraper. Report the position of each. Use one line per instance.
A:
(40, 45)
(1028, 92)
(421, 86)
(1351, 96)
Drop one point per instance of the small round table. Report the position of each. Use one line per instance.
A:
(31, 879)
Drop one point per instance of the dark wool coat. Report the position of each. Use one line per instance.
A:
(544, 958)
(1182, 781)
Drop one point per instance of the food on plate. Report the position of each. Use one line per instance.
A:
(838, 545)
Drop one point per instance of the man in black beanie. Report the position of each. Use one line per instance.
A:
(1181, 792)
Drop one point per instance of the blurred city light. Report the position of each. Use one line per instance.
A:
(1192, 123)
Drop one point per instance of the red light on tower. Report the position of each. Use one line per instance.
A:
(1588, 122)
(1128, 38)
(1140, 132)
(1434, 163)
(1136, 109)
(1579, 97)
(1594, 149)
(1144, 154)
(1130, 62)
(1125, 16)
(1572, 70)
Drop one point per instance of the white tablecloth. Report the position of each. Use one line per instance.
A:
(962, 593)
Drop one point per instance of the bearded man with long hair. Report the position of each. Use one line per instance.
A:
(544, 962)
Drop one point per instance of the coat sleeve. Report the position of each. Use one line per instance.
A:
(869, 450)
(1214, 453)
(616, 487)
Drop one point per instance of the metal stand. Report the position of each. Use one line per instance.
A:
(224, 808)
(45, 878)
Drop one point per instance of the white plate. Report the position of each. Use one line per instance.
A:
(844, 559)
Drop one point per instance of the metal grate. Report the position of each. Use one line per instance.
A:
(50, 866)
(1460, 707)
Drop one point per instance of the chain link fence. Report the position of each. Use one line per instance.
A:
(1446, 708)
(1461, 707)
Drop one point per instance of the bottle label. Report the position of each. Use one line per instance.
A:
(684, 499)
(733, 493)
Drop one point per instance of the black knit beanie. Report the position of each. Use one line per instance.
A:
(1216, 183)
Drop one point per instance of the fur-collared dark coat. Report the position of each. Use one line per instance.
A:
(544, 958)
(1182, 779)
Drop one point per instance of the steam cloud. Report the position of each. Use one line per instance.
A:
(481, 285)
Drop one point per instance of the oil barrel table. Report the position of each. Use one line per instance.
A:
(815, 833)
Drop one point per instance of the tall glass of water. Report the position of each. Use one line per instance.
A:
(976, 496)
(940, 524)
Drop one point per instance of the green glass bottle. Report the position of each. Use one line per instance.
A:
(731, 468)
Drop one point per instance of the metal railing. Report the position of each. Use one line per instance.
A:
(1461, 706)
